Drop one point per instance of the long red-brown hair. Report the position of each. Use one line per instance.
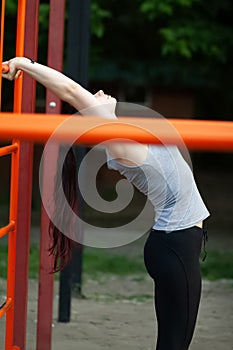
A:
(61, 247)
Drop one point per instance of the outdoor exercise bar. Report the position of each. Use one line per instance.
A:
(196, 134)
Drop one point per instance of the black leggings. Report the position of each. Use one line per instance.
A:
(172, 260)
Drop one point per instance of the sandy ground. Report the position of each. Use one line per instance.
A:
(118, 313)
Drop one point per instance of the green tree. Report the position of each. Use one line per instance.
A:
(185, 43)
(193, 27)
(189, 29)
(155, 42)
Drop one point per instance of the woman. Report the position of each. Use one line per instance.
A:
(173, 246)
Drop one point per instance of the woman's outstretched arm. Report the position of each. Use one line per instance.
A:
(85, 102)
(65, 88)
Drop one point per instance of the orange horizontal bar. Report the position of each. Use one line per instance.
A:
(8, 149)
(196, 134)
(6, 229)
(6, 307)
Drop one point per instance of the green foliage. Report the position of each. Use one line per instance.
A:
(155, 8)
(186, 27)
(192, 27)
(11, 7)
(187, 41)
(98, 15)
(179, 28)
(99, 261)
(142, 43)
(33, 261)
(43, 32)
(44, 16)
(3, 261)
(218, 265)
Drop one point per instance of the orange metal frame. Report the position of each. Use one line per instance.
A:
(196, 134)
(8, 307)
(12, 247)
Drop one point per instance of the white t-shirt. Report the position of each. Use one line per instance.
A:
(168, 182)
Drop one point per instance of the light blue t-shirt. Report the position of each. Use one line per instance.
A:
(168, 182)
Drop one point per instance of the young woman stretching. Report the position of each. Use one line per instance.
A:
(172, 250)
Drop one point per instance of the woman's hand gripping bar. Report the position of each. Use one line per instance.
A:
(5, 68)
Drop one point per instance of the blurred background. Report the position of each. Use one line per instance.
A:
(174, 56)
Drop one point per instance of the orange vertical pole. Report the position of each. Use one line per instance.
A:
(19, 52)
(14, 183)
(12, 249)
(2, 28)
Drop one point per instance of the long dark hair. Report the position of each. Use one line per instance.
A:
(61, 246)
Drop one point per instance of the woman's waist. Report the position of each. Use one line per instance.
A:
(169, 229)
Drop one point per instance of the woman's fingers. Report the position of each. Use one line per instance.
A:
(9, 71)
(18, 74)
(5, 68)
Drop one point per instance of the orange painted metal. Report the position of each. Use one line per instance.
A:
(12, 248)
(9, 333)
(8, 307)
(6, 229)
(2, 28)
(19, 52)
(8, 304)
(196, 134)
(8, 149)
